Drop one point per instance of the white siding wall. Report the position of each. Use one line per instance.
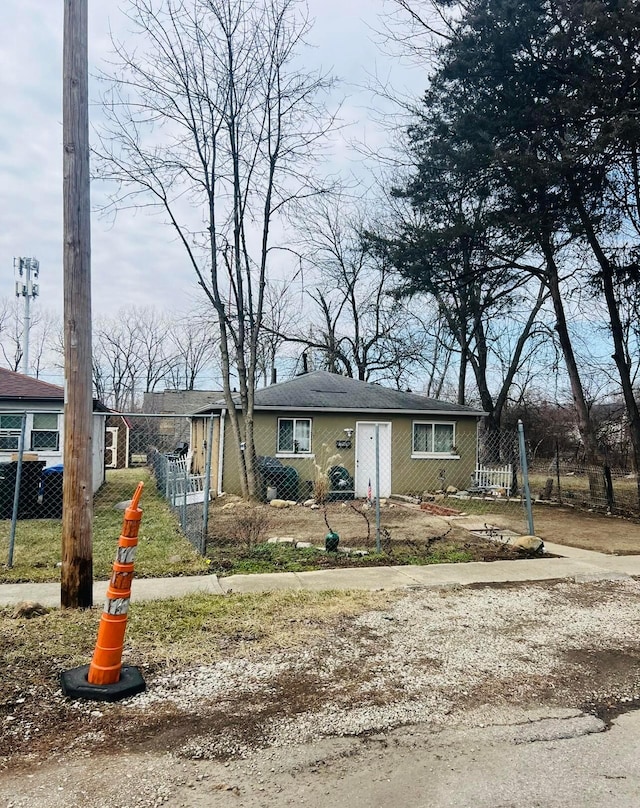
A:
(99, 427)
(53, 458)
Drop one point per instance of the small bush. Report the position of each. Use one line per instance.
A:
(250, 527)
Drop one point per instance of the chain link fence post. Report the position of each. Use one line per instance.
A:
(525, 477)
(207, 488)
(16, 492)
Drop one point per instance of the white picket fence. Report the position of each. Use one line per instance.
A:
(181, 482)
(494, 477)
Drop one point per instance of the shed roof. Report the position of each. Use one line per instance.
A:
(330, 392)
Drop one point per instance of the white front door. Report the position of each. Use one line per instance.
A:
(366, 458)
(111, 448)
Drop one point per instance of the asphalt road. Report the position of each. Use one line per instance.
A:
(533, 761)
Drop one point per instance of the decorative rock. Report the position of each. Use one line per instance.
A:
(281, 540)
(303, 545)
(309, 502)
(360, 553)
(315, 507)
(451, 489)
(531, 543)
(403, 498)
(280, 503)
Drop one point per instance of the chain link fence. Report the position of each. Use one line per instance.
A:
(407, 478)
(602, 488)
(124, 449)
(404, 479)
(161, 442)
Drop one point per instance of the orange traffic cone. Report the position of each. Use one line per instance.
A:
(105, 679)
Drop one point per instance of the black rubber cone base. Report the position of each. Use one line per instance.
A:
(75, 685)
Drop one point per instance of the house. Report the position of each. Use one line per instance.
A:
(43, 404)
(323, 423)
(173, 430)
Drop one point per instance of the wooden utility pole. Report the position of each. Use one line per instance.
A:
(77, 509)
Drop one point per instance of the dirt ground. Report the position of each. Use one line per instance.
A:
(404, 528)
(577, 528)
(363, 696)
(349, 520)
(405, 523)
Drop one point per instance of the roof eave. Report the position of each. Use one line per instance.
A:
(273, 408)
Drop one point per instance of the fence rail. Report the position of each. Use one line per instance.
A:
(500, 477)
(185, 493)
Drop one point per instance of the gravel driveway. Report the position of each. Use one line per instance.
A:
(429, 662)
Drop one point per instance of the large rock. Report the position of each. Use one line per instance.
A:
(282, 503)
(530, 543)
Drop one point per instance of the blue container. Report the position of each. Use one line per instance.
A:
(50, 492)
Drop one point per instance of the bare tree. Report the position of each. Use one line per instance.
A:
(195, 347)
(42, 327)
(213, 122)
(153, 349)
(282, 316)
(117, 365)
(42, 342)
(359, 327)
(11, 333)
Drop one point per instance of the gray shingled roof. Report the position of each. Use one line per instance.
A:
(321, 390)
(179, 402)
(18, 386)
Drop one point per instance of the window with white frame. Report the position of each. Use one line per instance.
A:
(10, 428)
(433, 438)
(294, 436)
(44, 432)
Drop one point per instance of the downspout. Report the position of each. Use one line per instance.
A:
(223, 412)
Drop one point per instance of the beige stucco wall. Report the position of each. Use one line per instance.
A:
(408, 475)
(199, 436)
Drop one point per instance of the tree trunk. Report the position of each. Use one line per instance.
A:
(583, 419)
(617, 333)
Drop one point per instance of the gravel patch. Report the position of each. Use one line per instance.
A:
(515, 656)
(431, 657)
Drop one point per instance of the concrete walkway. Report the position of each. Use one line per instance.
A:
(576, 564)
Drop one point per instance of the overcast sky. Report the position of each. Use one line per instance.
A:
(136, 259)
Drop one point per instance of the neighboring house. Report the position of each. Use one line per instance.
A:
(44, 437)
(302, 422)
(166, 434)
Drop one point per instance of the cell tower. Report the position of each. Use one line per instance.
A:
(28, 270)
